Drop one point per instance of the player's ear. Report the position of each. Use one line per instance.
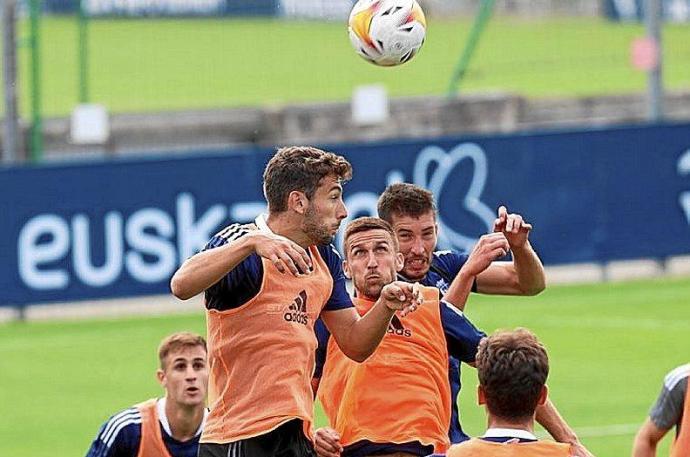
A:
(543, 395)
(160, 375)
(298, 202)
(346, 269)
(399, 261)
(481, 397)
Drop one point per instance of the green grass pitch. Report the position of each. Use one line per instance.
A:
(610, 346)
(151, 65)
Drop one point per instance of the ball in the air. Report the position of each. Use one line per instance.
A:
(387, 32)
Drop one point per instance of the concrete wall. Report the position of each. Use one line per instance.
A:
(527, 8)
(332, 122)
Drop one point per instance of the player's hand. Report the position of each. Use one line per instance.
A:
(489, 248)
(577, 449)
(513, 226)
(285, 254)
(402, 296)
(327, 442)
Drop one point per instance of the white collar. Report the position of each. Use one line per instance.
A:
(509, 432)
(160, 406)
(261, 223)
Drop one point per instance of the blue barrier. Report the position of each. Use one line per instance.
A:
(155, 8)
(633, 10)
(120, 228)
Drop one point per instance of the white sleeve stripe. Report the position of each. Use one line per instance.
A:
(227, 230)
(453, 308)
(676, 376)
(237, 235)
(232, 232)
(117, 417)
(115, 421)
(110, 441)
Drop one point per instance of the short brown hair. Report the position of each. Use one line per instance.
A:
(512, 368)
(364, 224)
(405, 199)
(177, 341)
(300, 168)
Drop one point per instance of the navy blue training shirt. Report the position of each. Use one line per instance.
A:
(121, 434)
(243, 282)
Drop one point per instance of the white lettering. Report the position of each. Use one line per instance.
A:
(81, 253)
(191, 236)
(627, 9)
(432, 169)
(148, 243)
(683, 168)
(246, 211)
(32, 253)
(684, 200)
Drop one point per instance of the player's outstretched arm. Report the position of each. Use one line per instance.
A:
(488, 248)
(358, 336)
(525, 274)
(647, 439)
(206, 268)
(549, 418)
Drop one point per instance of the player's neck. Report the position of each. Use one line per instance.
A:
(361, 296)
(184, 420)
(289, 225)
(498, 422)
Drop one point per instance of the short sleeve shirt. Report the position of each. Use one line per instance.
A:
(243, 282)
(668, 409)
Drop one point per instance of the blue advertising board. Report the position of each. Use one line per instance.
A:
(155, 8)
(121, 228)
(634, 10)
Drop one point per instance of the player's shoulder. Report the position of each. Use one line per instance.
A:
(126, 422)
(446, 255)
(329, 252)
(234, 231)
(448, 260)
(331, 258)
(677, 375)
(230, 233)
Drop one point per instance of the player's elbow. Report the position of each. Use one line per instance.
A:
(534, 286)
(358, 355)
(534, 289)
(180, 288)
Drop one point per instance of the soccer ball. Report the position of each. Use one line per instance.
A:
(387, 32)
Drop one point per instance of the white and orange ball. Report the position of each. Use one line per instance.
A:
(387, 32)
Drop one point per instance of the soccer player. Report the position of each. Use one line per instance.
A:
(411, 211)
(265, 284)
(369, 414)
(512, 367)
(672, 409)
(168, 426)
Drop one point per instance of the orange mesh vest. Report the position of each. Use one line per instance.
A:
(681, 445)
(399, 394)
(261, 355)
(476, 447)
(151, 444)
